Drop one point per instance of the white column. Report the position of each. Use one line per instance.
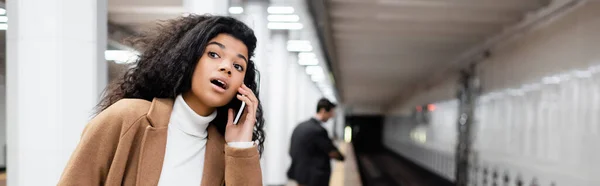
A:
(255, 16)
(55, 73)
(303, 92)
(314, 96)
(256, 12)
(311, 103)
(293, 91)
(277, 109)
(3, 120)
(214, 7)
(292, 102)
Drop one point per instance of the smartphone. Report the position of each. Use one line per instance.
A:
(243, 105)
(239, 114)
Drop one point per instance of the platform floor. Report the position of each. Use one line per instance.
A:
(344, 173)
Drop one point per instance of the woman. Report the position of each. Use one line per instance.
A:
(169, 120)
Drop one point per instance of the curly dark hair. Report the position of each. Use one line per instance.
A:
(168, 59)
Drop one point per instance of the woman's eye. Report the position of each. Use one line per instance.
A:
(213, 55)
(238, 67)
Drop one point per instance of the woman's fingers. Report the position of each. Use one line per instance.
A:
(249, 104)
(248, 96)
(251, 94)
(244, 90)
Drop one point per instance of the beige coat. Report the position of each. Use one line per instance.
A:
(125, 145)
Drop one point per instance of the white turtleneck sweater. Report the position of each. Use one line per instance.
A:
(186, 142)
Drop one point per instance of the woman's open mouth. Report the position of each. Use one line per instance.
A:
(219, 85)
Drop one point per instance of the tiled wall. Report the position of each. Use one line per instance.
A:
(544, 133)
(538, 118)
(432, 145)
(547, 129)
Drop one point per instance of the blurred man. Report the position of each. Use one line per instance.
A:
(311, 149)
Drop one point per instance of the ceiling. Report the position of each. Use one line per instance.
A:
(381, 49)
(138, 14)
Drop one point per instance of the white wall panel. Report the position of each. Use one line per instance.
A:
(537, 119)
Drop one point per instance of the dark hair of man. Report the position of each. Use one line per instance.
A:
(325, 104)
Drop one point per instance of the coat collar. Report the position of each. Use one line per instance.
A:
(315, 121)
(154, 144)
(159, 113)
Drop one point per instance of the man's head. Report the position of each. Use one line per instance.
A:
(325, 109)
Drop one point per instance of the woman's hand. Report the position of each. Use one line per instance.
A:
(242, 132)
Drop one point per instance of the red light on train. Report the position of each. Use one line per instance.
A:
(431, 107)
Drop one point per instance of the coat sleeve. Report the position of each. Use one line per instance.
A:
(322, 141)
(90, 162)
(242, 166)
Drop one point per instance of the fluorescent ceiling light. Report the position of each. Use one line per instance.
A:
(121, 56)
(3, 26)
(322, 85)
(299, 46)
(314, 70)
(236, 10)
(280, 10)
(317, 78)
(3, 19)
(2, 11)
(284, 26)
(307, 58)
(283, 18)
(308, 61)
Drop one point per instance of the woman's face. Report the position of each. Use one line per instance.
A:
(220, 71)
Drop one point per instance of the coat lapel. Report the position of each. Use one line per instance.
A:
(214, 158)
(154, 142)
